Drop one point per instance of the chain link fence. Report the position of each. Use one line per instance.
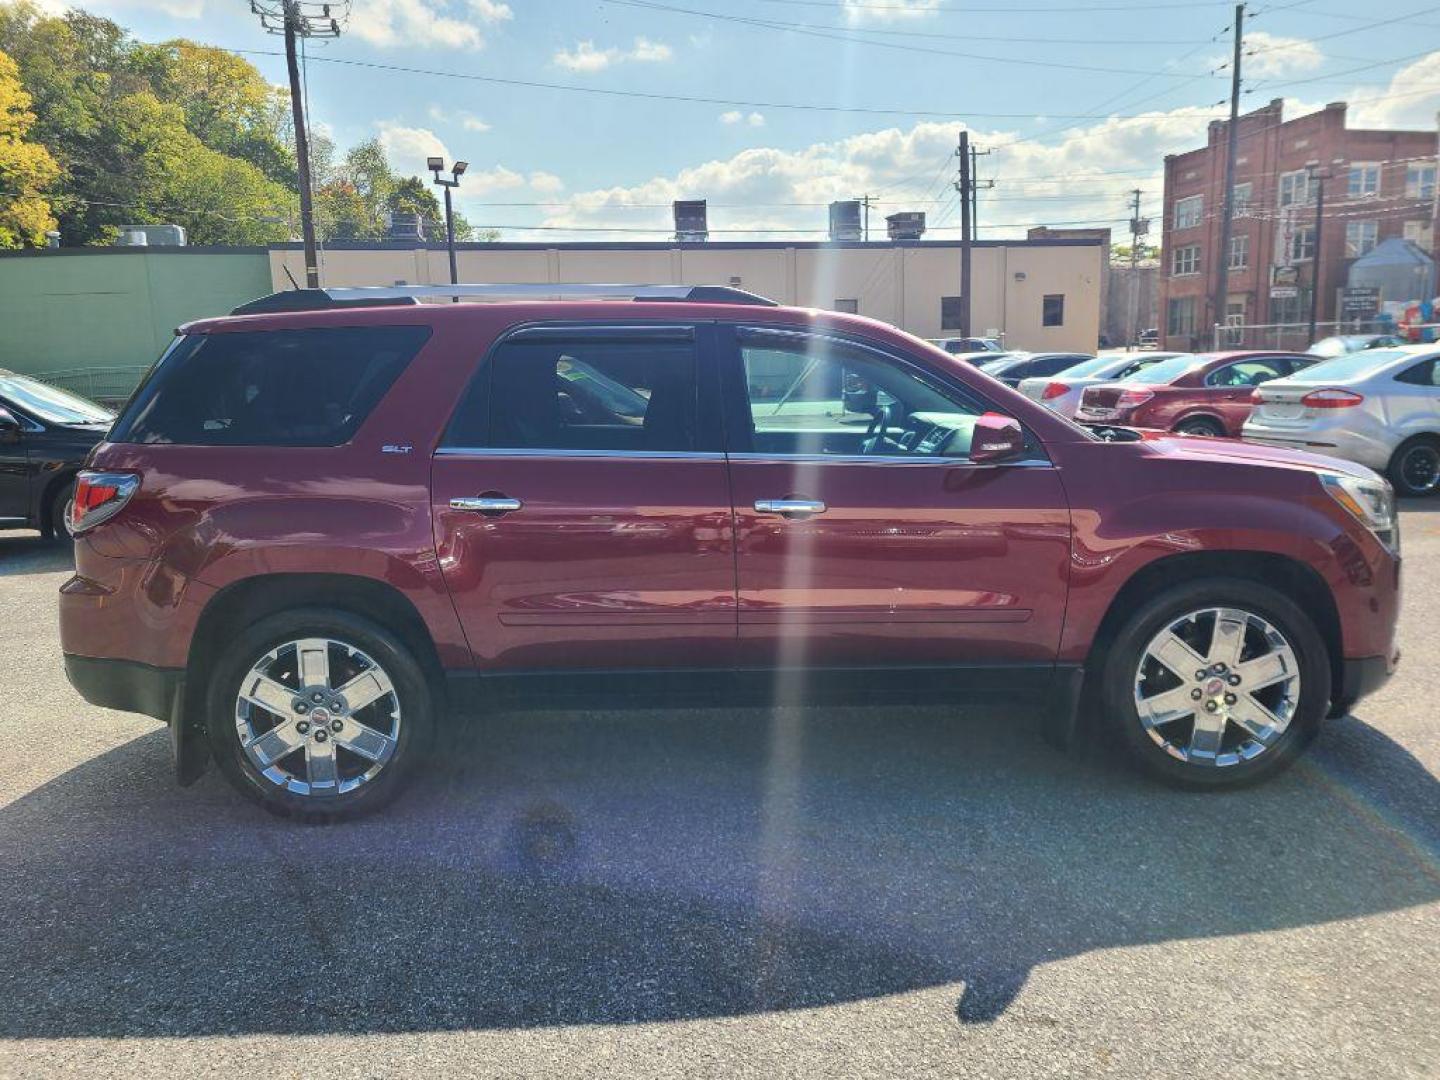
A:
(1289, 337)
(109, 386)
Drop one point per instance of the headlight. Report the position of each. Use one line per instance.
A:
(1372, 502)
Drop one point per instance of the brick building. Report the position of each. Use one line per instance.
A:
(1381, 184)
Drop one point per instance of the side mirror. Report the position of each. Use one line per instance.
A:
(996, 438)
(9, 426)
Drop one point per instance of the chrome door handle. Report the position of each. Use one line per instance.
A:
(789, 507)
(487, 504)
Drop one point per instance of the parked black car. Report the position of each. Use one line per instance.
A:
(45, 434)
(1022, 365)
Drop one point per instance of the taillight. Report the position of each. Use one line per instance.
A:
(1128, 399)
(1054, 390)
(1333, 398)
(99, 496)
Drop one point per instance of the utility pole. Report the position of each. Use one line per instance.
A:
(1138, 229)
(1232, 137)
(288, 19)
(964, 188)
(1318, 175)
(865, 201)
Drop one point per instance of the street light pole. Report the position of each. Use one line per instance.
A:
(436, 164)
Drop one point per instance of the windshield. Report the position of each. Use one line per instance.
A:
(1090, 367)
(50, 403)
(1158, 374)
(1355, 365)
(995, 367)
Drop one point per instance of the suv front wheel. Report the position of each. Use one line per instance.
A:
(318, 714)
(1216, 683)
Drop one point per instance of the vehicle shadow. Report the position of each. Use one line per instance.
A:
(30, 553)
(606, 868)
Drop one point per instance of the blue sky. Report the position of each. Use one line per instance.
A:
(1078, 102)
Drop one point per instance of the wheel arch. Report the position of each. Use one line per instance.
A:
(1301, 583)
(1199, 413)
(252, 598)
(48, 491)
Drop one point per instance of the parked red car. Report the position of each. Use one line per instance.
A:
(320, 530)
(1208, 394)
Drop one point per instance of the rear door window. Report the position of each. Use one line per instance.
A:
(302, 387)
(1248, 373)
(599, 389)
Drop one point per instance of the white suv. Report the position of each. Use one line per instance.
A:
(1380, 408)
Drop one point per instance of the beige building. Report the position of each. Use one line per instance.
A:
(1039, 294)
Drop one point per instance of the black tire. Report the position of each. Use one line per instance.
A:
(1200, 425)
(1122, 661)
(411, 687)
(55, 526)
(1414, 468)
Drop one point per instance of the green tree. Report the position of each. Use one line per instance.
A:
(26, 168)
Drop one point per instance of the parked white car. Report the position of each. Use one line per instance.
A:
(1380, 407)
(1062, 392)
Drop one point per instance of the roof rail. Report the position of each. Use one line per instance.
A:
(376, 296)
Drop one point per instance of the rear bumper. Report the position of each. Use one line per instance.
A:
(1331, 441)
(125, 684)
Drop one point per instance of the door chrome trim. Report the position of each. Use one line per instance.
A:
(786, 507)
(487, 504)
(889, 459)
(651, 455)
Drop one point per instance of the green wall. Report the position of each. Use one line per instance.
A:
(116, 307)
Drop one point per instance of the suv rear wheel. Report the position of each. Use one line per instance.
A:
(318, 714)
(1216, 683)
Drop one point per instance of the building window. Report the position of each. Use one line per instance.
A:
(952, 317)
(1053, 312)
(1186, 260)
(1188, 212)
(1290, 309)
(1294, 187)
(1421, 233)
(1302, 244)
(1239, 252)
(1364, 179)
(850, 306)
(1360, 237)
(1180, 316)
(1240, 198)
(1420, 182)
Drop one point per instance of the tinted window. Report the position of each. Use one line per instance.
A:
(578, 392)
(1051, 365)
(817, 396)
(1422, 374)
(310, 387)
(1248, 373)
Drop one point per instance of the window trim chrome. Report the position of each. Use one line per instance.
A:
(534, 452)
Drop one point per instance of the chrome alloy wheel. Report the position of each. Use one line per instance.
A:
(318, 717)
(1217, 687)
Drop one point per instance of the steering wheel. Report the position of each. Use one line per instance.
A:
(875, 434)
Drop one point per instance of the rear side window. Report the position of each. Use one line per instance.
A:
(311, 387)
(1425, 373)
(579, 390)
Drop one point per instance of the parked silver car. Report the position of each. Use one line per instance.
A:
(1379, 407)
(1062, 391)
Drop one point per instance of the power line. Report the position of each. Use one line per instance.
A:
(850, 5)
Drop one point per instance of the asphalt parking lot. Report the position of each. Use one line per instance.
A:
(721, 893)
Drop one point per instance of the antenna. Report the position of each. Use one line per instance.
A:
(293, 283)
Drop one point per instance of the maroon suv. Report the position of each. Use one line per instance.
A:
(322, 528)
(1209, 394)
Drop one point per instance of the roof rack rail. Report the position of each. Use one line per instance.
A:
(378, 296)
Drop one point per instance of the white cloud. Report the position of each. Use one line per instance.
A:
(1079, 176)
(1410, 100)
(406, 148)
(468, 121)
(448, 23)
(858, 11)
(735, 116)
(1268, 56)
(546, 183)
(586, 59)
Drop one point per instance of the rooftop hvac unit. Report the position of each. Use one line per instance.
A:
(909, 225)
(151, 236)
(845, 220)
(405, 228)
(690, 225)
